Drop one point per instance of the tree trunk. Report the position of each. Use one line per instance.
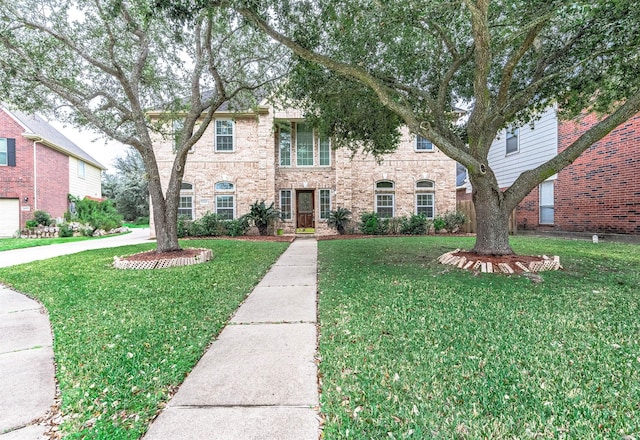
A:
(165, 212)
(492, 218)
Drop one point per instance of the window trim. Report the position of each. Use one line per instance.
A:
(313, 142)
(422, 190)
(320, 139)
(226, 208)
(510, 133)
(186, 196)
(215, 135)
(6, 152)
(82, 169)
(320, 212)
(280, 127)
(284, 217)
(386, 191)
(422, 150)
(540, 205)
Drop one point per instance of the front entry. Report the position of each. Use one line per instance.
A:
(304, 215)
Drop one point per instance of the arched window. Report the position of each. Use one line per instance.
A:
(225, 200)
(185, 205)
(425, 198)
(385, 198)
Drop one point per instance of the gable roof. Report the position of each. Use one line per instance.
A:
(36, 128)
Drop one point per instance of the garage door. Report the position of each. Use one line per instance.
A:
(9, 217)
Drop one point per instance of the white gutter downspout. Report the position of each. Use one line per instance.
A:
(35, 175)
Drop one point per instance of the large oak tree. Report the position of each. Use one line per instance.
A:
(107, 63)
(366, 66)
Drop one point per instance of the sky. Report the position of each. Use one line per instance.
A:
(102, 150)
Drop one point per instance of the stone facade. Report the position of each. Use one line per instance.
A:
(255, 169)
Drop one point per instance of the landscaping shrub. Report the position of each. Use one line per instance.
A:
(237, 227)
(372, 224)
(339, 220)
(416, 224)
(42, 218)
(453, 220)
(65, 230)
(31, 224)
(439, 224)
(97, 214)
(262, 216)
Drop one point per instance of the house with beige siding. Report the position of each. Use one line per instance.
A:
(274, 155)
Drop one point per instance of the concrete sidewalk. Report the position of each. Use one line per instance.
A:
(27, 255)
(27, 385)
(259, 378)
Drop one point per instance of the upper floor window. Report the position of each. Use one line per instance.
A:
(423, 144)
(81, 169)
(224, 135)
(304, 145)
(513, 145)
(425, 198)
(385, 199)
(324, 152)
(284, 144)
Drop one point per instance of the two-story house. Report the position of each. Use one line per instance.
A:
(274, 155)
(598, 193)
(39, 168)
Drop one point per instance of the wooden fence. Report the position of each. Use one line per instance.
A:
(466, 206)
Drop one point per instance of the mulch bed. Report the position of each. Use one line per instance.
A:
(160, 260)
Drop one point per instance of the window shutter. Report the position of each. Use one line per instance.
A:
(11, 152)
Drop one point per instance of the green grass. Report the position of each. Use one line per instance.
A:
(123, 340)
(135, 225)
(414, 349)
(7, 244)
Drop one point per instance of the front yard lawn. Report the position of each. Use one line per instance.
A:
(7, 244)
(123, 340)
(413, 349)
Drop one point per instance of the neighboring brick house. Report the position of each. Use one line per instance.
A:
(273, 155)
(598, 193)
(39, 167)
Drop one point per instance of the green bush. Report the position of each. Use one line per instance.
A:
(31, 224)
(212, 225)
(339, 220)
(65, 230)
(98, 215)
(237, 227)
(416, 224)
(372, 224)
(453, 220)
(42, 218)
(439, 224)
(262, 216)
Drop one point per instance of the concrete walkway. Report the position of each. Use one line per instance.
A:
(258, 380)
(27, 385)
(27, 255)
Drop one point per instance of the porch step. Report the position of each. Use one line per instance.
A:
(305, 231)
